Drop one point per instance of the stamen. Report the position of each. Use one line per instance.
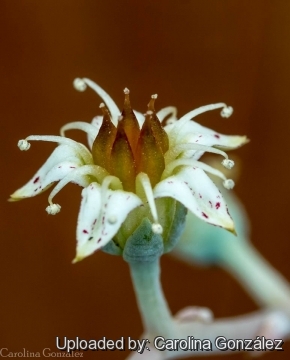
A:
(79, 84)
(80, 125)
(113, 108)
(82, 150)
(165, 112)
(228, 164)
(108, 180)
(80, 173)
(145, 182)
(23, 145)
(176, 150)
(53, 209)
(229, 184)
(126, 91)
(226, 112)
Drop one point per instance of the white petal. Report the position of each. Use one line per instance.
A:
(194, 189)
(63, 160)
(101, 216)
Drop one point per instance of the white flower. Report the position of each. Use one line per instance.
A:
(135, 167)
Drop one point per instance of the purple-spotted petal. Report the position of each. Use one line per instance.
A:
(194, 189)
(89, 213)
(191, 132)
(62, 161)
(102, 214)
(197, 133)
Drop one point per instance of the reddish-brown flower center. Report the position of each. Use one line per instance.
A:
(125, 151)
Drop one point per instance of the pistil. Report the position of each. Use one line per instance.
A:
(125, 151)
(103, 144)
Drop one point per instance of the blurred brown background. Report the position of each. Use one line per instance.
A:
(191, 53)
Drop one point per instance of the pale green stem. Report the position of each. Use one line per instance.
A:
(156, 316)
(266, 285)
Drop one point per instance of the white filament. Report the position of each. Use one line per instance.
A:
(226, 112)
(110, 179)
(163, 113)
(145, 182)
(78, 174)
(176, 150)
(80, 125)
(113, 108)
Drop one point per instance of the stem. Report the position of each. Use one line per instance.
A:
(265, 284)
(156, 316)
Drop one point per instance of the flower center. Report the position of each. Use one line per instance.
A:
(126, 150)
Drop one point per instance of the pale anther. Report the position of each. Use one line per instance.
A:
(23, 145)
(228, 164)
(79, 84)
(157, 228)
(102, 105)
(149, 112)
(155, 96)
(227, 111)
(126, 91)
(112, 219)
(53, 209)
(229, 184)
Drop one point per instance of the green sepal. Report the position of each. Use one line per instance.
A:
(143, 245)
(112, 248)
(176, 227)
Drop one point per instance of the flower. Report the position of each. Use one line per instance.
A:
(135, 167)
